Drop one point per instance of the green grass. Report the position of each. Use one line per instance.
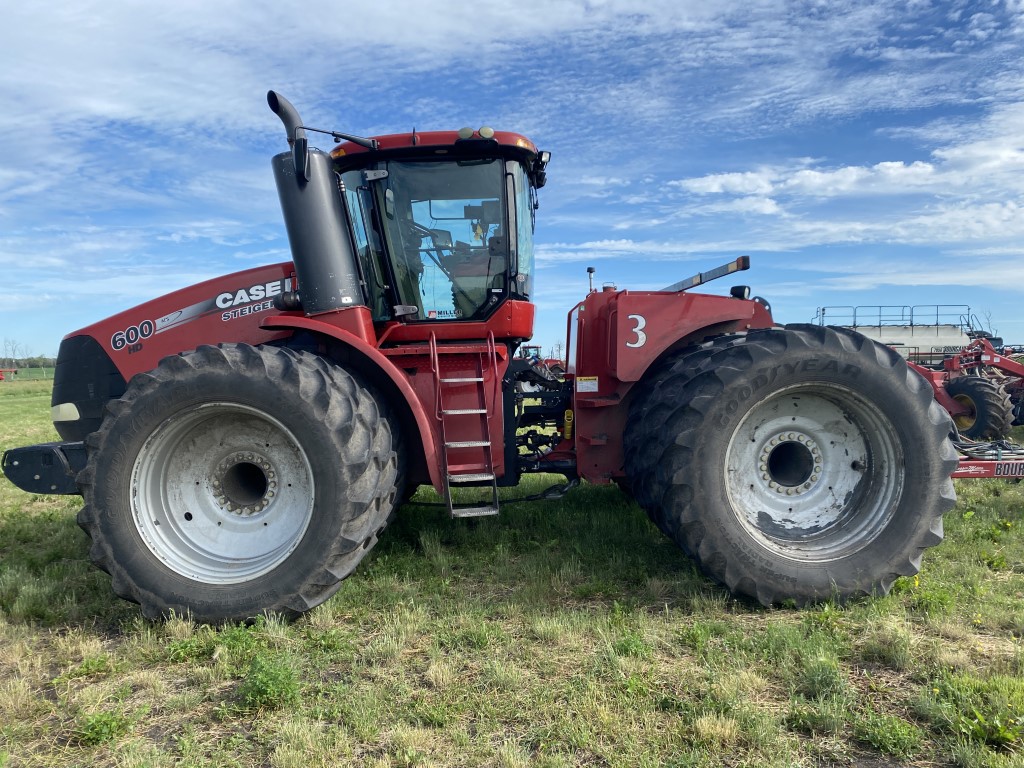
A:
(28, 374)
(565, 633)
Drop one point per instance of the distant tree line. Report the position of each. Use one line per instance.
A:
(17, 355)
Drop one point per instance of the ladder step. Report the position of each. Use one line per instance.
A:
(468, 444)
(473, 511)
(462, 380)
(462, 411)
(471, 477)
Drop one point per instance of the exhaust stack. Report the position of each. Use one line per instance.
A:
(316, 220)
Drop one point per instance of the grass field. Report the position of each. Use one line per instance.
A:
(27, 374)
(565, 633)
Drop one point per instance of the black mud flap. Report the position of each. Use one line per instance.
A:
(45, 468)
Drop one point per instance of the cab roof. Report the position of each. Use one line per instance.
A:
(442, 142)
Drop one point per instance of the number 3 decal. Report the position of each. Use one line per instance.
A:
(638, 329)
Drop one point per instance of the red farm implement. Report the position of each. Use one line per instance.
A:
(5, 372)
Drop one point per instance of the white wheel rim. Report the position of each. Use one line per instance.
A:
(222, 493)
(814, 472)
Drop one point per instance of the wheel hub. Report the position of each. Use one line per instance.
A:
(796, 471)
(790, 463)
(222, 493)
(244, 483)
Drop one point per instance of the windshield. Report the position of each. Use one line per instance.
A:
(445, 224)
(441, 239)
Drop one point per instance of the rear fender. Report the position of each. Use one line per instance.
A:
(621, 335)
(371, 362)
(645, 326)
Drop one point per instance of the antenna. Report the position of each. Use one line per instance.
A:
(590, 276)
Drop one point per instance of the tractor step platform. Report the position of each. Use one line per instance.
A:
(467, 444)
(477, 477)
(484, 511)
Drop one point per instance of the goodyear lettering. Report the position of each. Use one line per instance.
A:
(252, 293)
(766, 376)
(1010, 469)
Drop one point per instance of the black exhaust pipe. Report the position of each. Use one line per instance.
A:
(316, 220)
(288, 114)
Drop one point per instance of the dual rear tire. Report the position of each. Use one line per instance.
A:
(797, 464)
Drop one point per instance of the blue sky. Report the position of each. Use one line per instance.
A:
(861, 153)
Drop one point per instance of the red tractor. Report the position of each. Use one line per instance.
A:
(242, 443)
(5, 371)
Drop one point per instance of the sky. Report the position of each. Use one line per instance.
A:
(861, 153)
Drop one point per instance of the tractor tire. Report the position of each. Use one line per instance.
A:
(990, 415)
(798, 464)
(650, 403)
(234, 481)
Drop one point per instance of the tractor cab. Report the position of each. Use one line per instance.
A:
(442, 222)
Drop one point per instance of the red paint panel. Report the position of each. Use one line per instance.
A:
(225, 309)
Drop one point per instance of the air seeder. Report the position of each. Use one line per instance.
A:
(240, 444)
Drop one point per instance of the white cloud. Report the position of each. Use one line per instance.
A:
(748, 183)
(141, 137)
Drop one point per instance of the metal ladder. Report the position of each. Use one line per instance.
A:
(462, 411)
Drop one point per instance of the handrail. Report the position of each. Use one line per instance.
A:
(435, 367)
(880, 315)
(492, 355)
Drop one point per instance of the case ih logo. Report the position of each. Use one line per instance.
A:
(253, 293)
(261, 292)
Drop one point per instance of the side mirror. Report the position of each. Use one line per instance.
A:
(300, 157)
(442, 238)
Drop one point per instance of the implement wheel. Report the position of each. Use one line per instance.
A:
(798, 464)
(237, 480)
(990, 412)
